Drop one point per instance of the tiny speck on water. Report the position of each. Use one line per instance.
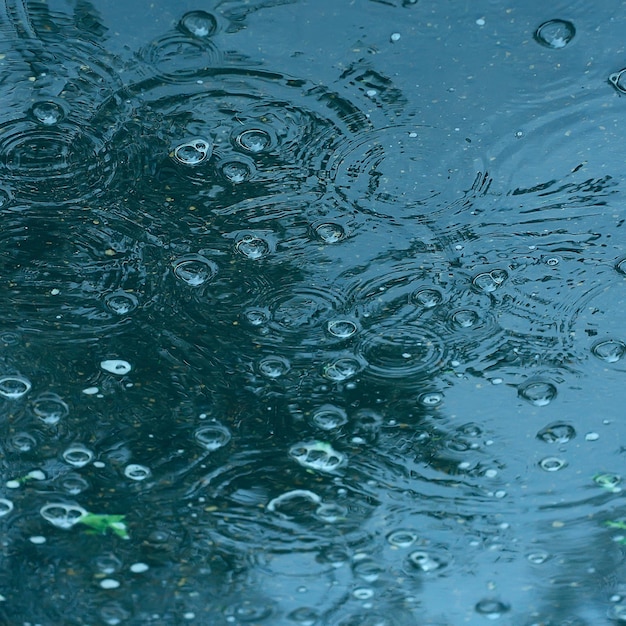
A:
(37, 539)
(592, 436)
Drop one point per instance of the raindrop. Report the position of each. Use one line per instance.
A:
(317, 455)
(427, 298)
(137, 472)
(342, 329)
(199, 24)
(62, 515)
(47, 113)
(194, 152)
(78, 455)
(539, 393)
(490, 281)
(116, 366)
(342, 369)
(330, 232)
(329, 417)
(120, 302)
(465, 318)
(50, 408)
(362, 593)
(194, 270)
(212, 437)
(552, 464)
(252, 247)
(558, 432)
(23, 442)
(555, 34)
(6, 506)
(491, 608)
(236, 171)
(274, 366)
(401, 538)
(609, 350)
(254, 140)
(14, 387)
(427, 561)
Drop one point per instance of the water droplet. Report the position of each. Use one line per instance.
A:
(427, 561)
(49, 408)
(120, 302)
(491, 608)
(252, 247)
(558, 432)
(465, 318)
(6, 506)
(47, 113)
(609, 350)
(427, 298)
(137, 472)
(552, 464)
(194, 270)
(78, 455)
(194, 152)
(212, 437)
(431, 399)
(199, 24)
(342, 329)
(14, 387)
(329, 417)
(236, 171)
(62, 515)
(490, 281)
(116, 366)
(274, 366)
(555, 34)
(539, 393)
(317, 455)
(254, 140)
(330, 232)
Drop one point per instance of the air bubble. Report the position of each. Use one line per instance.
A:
(538, 393)
(609, 350)
(552, 464)
(426, 561)
(317, 455)
(254, 140)
(427, 298)
(6, 506)
(331, 513)
(490, 281)
(304, 616)
(199, 24)
(13, 387)
(23, 442)
(342, 329)
(537, 558)
(465, 318)
(120, 302)
(47, 113)
(236, 171)
(491, 608)
(212, 437)
(274, 366)
(292, 501)
(252, 247)
(137, 472)
(62, 515)
(555, 34)
(558, 432)
(342, 369)
(329, 417)
(193, 152)
(116, 366)
(194, 270)
(431, 399)
(330, 232)
(49, 408)
(78, 455)
(402, 538)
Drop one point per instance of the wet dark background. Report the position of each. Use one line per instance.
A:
(312, 313)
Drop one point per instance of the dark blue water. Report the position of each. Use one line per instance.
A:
(312, 313)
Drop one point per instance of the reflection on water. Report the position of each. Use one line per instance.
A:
(280, 348)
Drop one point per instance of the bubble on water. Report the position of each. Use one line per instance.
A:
(22, 442)
(342, 368)
(465, 318)
(193, 152)
(329, 232)
(252, 247)
(331, 512)
(236, 170)
(430, 399)
(290, 503)
(107, 563)
(552, 464)
(78, 455)
(139, 567)
(402, 538)
(490, 281)
(427, 298)
(118, 367)
(317, 455)
(304, 615)
(47, 112)
(248, 611)
(73, 484)
(491, 608)
(428, 561)
(194, 269)
(363, 593)
(109, 583)
(113, 614)
(342, 328)
(6, 506)
(212, 437)
(538, 557)
(608, 481)
(558, 432)
(62, 515)
(609, 350)
(274, 366)
(256, 316)
(539, 393)
(555, 34)
(198, 23)
(13, 387)
(138, 472)
(367, 569)
(254, 140)
(121, 302)
(49, 407)
(329, 417)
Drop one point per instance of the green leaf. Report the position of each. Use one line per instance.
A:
(102, 523)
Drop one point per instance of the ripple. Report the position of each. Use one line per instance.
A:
(212, 437)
